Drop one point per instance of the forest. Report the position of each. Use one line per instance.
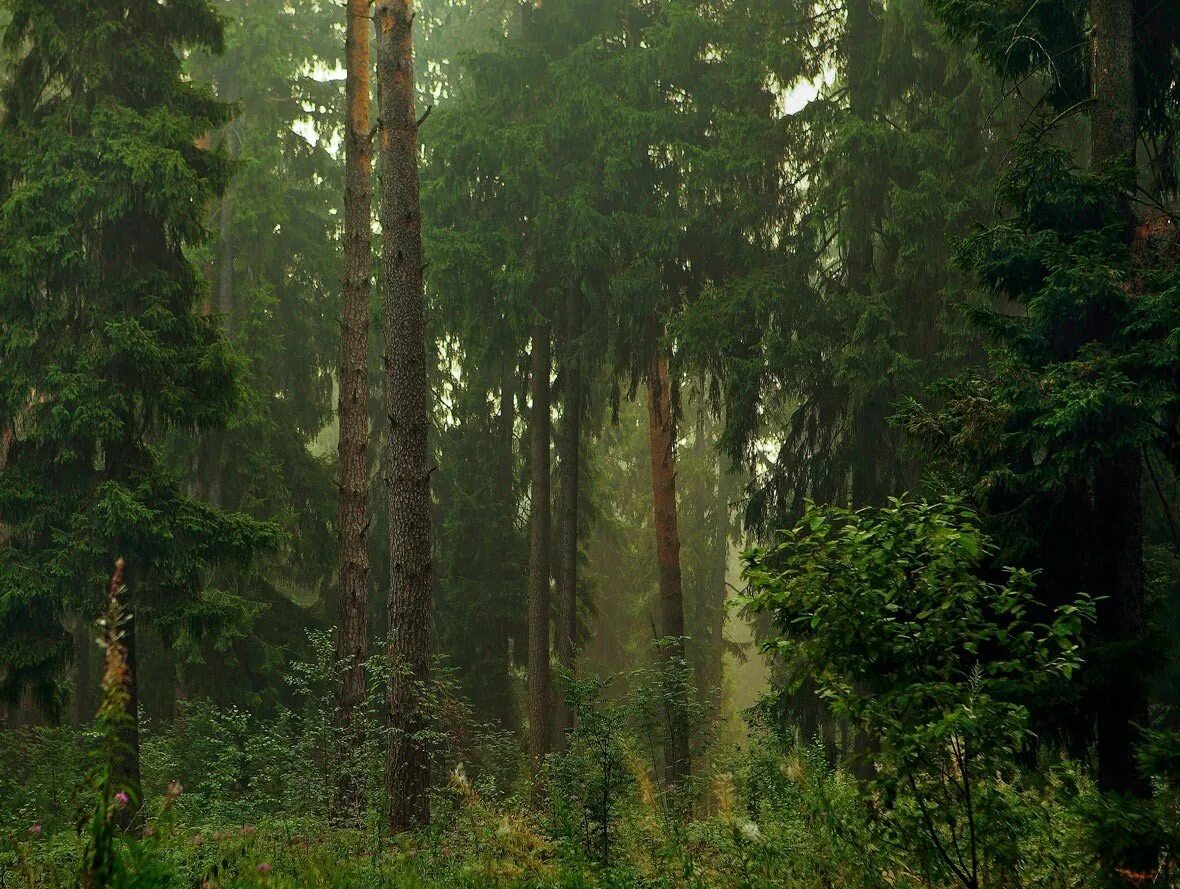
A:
(589, 444)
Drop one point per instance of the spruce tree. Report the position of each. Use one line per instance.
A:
(283, 260)
(104, 178)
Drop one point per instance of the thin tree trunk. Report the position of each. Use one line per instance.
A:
(661, 439)
(507, 710)
(717, 593)
(353, 640)
(539, 679)
(1118, 508)
(570, 471)
(407, 400)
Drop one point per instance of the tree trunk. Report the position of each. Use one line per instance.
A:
(871, 453)
(717, 592)
(1117, 518)
(407, 400)
(353, 640)
(570, 471)
(1112, 120)
(661, 439)
(539, 679)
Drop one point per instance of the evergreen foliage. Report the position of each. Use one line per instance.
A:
(104, 184)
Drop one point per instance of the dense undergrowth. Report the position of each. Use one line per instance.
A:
(928, 771)
(768, 814)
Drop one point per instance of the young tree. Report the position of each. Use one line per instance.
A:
(407, 397)
(103, 185)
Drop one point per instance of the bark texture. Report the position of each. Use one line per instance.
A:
(570, 472)
(662, 439)
(407, 401)
(352, 408)
(539, 679)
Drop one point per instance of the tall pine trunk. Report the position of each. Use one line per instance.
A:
(407, 401)
(570, 471)
(661, 440)
(1117, 571)
(540, 692)
(353, 640)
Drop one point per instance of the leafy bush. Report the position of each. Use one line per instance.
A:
(888, 612)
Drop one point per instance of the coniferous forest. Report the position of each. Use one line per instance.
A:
(555, 444)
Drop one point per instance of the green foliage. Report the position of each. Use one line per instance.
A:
(886, 138)
(588, 781)
(887, 611)
(102, 187)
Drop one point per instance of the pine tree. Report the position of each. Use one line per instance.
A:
(662, 448)
(353, 641)
(407, 395)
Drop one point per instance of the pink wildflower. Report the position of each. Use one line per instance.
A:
(264, 868)
(34, 830)
(121, 799)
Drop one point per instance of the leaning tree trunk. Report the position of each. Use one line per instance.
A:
(1117, 516)
(407, 402)
(353, 640)
(570, 470)
(661, 439)
(539, 680)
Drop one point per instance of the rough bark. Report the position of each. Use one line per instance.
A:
(539, 679)
(407, 401)
(353, 640)
(661, 440)
(1112, 119)
(570, 472)
(1117, 520)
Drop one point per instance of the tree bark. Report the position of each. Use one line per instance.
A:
(353, 639)
(539, 679)
(407, 401)
(1117, 506)
(570, 471)
(661, 440)
(1112, 119)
